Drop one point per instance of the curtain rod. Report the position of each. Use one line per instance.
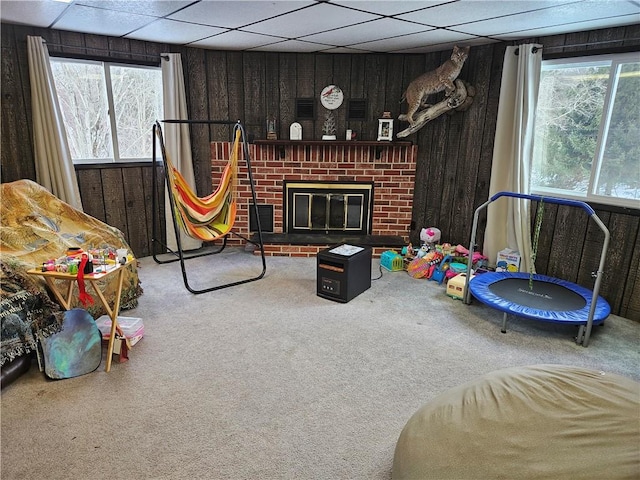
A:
(585, 44)
(533, 50)
(155, 57)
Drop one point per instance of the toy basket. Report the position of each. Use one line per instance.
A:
(392, 261)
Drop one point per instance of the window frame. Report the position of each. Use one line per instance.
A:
(592, 197)
(106, 65)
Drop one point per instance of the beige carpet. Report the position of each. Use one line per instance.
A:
(269, 381)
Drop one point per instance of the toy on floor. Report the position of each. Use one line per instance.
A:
(392, 261)
(423, 267)
(430, 235)
(439, 273)
(455, 286)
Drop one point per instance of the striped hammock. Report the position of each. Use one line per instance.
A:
(207, 218)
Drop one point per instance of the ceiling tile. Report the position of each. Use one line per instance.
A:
(568, 28)
(171, 31)
(293, 46)
(78, 18)
(562, 14)
(236, 40)
(347, 50)
(36, 13)
(320, 17)
(364, 32)
(439, 47)
(143, 7)
(354, 26)
(235, 14)
(415, 41)
(386, 7)
(465, 11)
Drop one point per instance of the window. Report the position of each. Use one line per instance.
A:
(587, 135)
(108, 109)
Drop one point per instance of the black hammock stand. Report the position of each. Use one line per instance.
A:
(180, 253)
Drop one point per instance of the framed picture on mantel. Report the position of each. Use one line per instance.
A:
(385, 129)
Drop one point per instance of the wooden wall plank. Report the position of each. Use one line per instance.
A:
(356, 88)
(630, 307)
(413, 66)
(217, 89)
(375, 74)
(342, 78)
(93, 197)
(478, 75)
(287, 91)
(15, 142)
(592, 249)
(624, 234)
(567, 243)
(115, 204)
(136, 215)
(323, 74)
(195, 77)
(306, 88)
(155, 238)
(272, 92)
(235, 86)
(255, 118)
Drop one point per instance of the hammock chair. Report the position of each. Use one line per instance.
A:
(210, 218)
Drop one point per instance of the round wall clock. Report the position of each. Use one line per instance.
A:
(331, 97)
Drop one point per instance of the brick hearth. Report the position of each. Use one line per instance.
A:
(393, 174)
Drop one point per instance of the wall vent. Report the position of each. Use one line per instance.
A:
(265, 214)
(357, 110)
(305, 109)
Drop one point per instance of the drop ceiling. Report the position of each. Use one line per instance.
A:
(335, 26)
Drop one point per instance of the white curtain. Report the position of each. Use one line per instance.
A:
(508, 219)
(176, 137)
(54, 166)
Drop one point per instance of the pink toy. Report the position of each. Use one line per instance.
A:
(430, 235)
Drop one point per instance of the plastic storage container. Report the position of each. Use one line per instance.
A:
(132, 327)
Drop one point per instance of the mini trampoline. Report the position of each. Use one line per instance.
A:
(539, 297)
(549, 299)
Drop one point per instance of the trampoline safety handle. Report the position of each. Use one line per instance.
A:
(559, 201)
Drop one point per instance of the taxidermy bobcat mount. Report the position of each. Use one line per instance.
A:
(443, 78)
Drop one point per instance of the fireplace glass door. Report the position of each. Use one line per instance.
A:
(312, 207)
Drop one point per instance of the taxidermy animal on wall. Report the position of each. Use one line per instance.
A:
(435, 81)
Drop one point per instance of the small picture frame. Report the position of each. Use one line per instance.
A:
(385, 129)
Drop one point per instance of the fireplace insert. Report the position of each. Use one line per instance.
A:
(314, 207)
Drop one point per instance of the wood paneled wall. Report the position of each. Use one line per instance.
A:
(454, 151)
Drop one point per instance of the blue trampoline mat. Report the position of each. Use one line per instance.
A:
(550, 300)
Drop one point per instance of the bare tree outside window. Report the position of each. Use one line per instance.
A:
(108, 109)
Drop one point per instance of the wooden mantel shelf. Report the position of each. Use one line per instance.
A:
(328, 143)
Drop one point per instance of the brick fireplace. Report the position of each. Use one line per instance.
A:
(390, 167)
